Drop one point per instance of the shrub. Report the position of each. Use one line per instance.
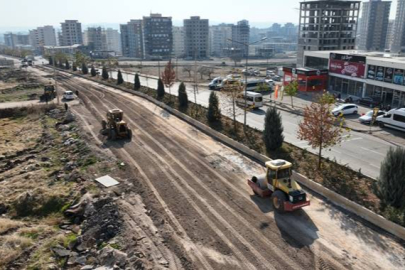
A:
(273, 137)
(182, 96)
(214, 113)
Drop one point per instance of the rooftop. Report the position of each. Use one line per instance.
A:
(377, 56)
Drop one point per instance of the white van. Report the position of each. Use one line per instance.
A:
(253, 100)
(68, 95)
(213, 85)
(394, 119)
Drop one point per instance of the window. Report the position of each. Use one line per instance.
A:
(271, 174)
(399, 118)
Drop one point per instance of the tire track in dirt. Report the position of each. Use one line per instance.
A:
(237, 252)
(274, 248)
(192, 250)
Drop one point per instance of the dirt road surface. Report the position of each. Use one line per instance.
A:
(197, 187)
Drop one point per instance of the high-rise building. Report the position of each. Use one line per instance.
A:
(390, 34)
(373, 25)
(71, 33)
(113, 40)
(13, 40)
(398, 42)
(42, 36)
(327, 25)
(196, 37)
(157, 36)
(178, 41)
(131, 39)
(219, 38)
(240, 34)
(95, 39)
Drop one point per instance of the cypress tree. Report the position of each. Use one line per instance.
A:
(391, 183)
(74, 68)
(160, 89)
(137, 83)
(93, 71)
(104, 73)
(50, 60)
(67, 65)
(214, 113)
(273, 130)
(182, 96)
(85, 70)
(120, 80)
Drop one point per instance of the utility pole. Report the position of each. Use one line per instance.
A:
(54, 77)
(177, 70)
(159, 68)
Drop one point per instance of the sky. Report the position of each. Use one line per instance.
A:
(27, 14)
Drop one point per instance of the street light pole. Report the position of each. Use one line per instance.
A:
(54, 77)
(246, 74)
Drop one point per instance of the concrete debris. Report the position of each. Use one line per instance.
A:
(70, 141)
(60, 251)
(110, 257)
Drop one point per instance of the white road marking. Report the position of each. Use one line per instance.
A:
(354, 139)
(375, 152)
(378, 167)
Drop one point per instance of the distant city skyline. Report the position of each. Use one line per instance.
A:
(24, 15)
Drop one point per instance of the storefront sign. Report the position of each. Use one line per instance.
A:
(349, 65)
(389, 73)
(398, 76)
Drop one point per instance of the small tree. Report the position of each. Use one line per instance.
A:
(160, 89)
(93, 71)
(262, 87)
(67, 65)
(61, 64)
(120, 80)
(318, 127)
(85, 70)
(236, 58)
(391, 183)
(188, 69)
(137, 83)
(50, 60)
(273, 137)
(214, 113)
(169, 76)
(291, 90)
(182, 96)
(74, 67)
(104, 73)
(232, 92)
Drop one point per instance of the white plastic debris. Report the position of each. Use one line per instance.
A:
(107, 181)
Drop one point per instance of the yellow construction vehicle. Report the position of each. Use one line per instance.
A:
(286, 194)
(49, 93)
(115, 127)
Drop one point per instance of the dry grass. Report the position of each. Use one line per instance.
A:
(11, 247)
(9, 224)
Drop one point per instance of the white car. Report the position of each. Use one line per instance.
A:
(68, 95)
(366, 118)
(345, 109)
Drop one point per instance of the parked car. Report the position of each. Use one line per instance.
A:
(345, 109)
(368, 101)
(276, 78)
(367, 117)
(68, 95)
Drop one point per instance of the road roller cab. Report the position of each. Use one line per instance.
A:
(286, 194)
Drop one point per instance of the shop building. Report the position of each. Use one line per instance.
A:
(308, 79)
(362, 74)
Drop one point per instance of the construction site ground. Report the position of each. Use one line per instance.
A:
(194, 189)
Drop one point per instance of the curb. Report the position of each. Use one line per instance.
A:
(329, 195)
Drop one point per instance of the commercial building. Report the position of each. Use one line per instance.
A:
(42, 36)
(157, 36)
(219, 36)
(14, 40)
(327, 25)
(196, 37)
(398, 42)
(362, 74)
(71, 33)
(241, 34)
(178, 41)
(373, 27)
(131, 39)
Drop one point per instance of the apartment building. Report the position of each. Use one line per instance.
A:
(196, 37)
(178, 41)
(71, 33)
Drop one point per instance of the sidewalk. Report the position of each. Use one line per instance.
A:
(303, 100)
